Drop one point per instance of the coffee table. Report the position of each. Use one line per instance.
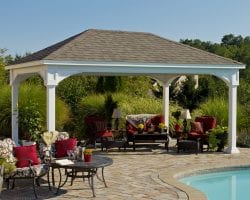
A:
(149, 137)
(188, 145)
(88, 169)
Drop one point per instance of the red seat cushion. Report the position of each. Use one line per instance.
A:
(194, 135)
(63, 145)
(131, 129)
(104, 134)
(24, 154)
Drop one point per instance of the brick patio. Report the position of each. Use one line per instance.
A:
(147, 173)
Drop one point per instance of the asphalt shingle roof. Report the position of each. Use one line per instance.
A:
(123, 46)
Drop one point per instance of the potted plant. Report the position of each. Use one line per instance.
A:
(162, 127)
(88, 155)
(140, 128)
(217, 138)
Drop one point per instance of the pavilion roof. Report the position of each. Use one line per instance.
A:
(123, 46)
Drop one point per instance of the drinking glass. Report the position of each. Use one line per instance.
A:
(69, 153)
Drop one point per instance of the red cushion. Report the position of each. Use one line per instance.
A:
(63, 145)
(131, 129)
(104, 134)
(193, 135)
(156, 120)
(196, 127)
(25, 153)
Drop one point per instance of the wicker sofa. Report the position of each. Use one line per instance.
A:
(149, 135)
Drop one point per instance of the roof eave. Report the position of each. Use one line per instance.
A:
(140, 64)
(26, 64)
(122, 64)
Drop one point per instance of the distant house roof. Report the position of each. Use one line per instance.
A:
(122, 46)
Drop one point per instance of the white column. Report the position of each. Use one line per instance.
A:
(166, 103)
(51, 107)
(14, 110)
(232, 123)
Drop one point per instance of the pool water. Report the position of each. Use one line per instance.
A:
(228, 185)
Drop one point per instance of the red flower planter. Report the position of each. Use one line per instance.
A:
(87, 158)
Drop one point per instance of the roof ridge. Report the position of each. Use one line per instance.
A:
(120, 31)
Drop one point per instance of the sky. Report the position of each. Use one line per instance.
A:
(31, 25)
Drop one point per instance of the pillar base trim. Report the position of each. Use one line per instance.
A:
(232, 150)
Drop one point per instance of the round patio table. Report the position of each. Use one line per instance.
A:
(88, 170)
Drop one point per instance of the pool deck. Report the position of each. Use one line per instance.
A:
(147, 173)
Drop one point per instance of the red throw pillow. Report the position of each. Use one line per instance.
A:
(63, 145)
(196, 127)
(25, 153)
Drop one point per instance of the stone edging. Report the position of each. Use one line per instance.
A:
(170, 179)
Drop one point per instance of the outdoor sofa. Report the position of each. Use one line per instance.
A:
(151, 131)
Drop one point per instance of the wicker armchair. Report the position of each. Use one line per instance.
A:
(200, 129)
(28, 165)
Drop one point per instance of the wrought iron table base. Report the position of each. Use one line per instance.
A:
(73, 174)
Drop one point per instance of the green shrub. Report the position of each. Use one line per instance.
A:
(74, 88)
(136, 86)
(30, 120)
(243, 137)
(218, 107)
(32, 110)
(5, 110)
(217, 138)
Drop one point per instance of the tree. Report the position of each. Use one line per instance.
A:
(187, 96)
(108, 84)
(74, 88)
(230, 39)
(3, 73)
(109, 106)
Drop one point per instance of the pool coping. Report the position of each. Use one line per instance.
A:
(186, 192)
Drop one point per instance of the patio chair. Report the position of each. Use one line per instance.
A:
(28, 165)
(47, 145)
(200, 128)
(55, 144)
(97, 129)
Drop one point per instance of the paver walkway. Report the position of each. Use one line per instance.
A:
(147, 174)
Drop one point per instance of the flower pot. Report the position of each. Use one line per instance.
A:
(87, 158)
(140, 131)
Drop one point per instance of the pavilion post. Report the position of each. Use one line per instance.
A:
(166, 103)
(51, 107)
(14, 110)
(232, 122)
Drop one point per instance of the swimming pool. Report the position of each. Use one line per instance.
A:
(232, 184)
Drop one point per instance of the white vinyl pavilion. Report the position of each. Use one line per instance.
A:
(120, 53)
